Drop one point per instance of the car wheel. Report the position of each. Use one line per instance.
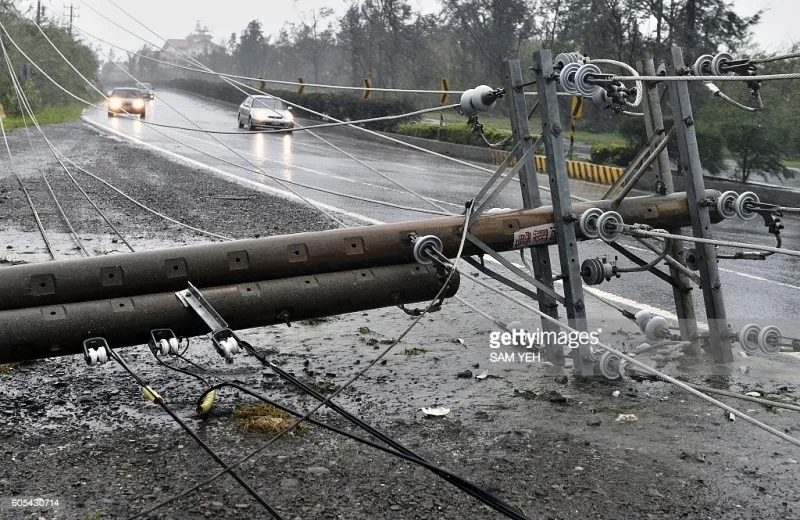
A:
(250, 125)
(239, 120)
(141, 116)
(111, 114)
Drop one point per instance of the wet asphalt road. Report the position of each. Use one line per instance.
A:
(760, 292)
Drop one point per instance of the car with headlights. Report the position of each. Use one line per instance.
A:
(265, 111)
(126, 100)
(147, 90)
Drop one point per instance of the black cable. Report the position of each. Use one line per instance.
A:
(159, 401)
(396, 449)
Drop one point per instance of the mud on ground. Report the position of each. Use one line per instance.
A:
(531, 433)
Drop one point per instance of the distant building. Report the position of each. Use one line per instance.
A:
(196, 44)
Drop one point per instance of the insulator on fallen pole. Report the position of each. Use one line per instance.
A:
(41, 332)
(242, 261)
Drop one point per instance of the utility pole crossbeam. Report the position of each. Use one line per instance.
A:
(699, 212)
(681, 292)
(564, 218)
(531, 198)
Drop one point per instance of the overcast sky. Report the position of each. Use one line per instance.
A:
(177, 18)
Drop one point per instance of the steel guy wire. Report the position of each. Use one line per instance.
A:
(771, 59)
(347, 384)
(724, 243)
(160, 401)
(633, 361)
(22, 100)
(766, 77)
(27, 194)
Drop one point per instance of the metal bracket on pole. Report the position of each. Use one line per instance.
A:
(225, 341)
(531, 198)
(562, 206)
(701, 223)
(654, 123)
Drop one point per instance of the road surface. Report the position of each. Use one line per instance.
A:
(762, 292)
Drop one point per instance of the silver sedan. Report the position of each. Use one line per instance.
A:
(265, 111)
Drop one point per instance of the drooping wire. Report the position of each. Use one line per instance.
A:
(27, 194)
(348, 383)
(22, 100)
(157, 399)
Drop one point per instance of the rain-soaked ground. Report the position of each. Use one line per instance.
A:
(529, 432)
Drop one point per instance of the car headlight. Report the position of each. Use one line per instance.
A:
(114, 104)
(289, 116)
(260, 113)
(138, 103)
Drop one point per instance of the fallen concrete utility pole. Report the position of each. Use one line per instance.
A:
(41, 332)
(244, 261)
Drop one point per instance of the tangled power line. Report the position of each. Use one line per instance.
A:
(588, 80)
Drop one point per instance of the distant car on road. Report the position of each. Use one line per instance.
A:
(128, 100)
(265, 111)
(147, 90)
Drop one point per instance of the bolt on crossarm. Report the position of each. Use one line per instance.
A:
(654, 123)
(562, 206)
(699, 211)
(531, 198)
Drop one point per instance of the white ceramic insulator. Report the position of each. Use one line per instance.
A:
(174, 346)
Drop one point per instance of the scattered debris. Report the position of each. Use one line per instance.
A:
(744, 369)
(730, 416)
(482, 375)
(593, 422)
(264, 417)
(627, 417)
(364, 330)
(466, 374)
(578, 468)
(753, 394)
(414, 351)
(525, 394)
(556, 397)
(562, 380)
(615, 393)
(460, 341)
(436, 412)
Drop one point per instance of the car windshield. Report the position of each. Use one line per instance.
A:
(126, 94)
(268, 103)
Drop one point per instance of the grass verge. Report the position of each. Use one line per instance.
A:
(47, 116)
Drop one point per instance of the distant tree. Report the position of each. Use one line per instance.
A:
(313, 40)
(252, 50)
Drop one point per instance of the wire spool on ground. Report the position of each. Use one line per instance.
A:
(610, 366)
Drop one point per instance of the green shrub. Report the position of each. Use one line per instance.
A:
(344, 106)
(612, 154)
(458, 133)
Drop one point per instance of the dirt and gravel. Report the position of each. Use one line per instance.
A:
(532, 433)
